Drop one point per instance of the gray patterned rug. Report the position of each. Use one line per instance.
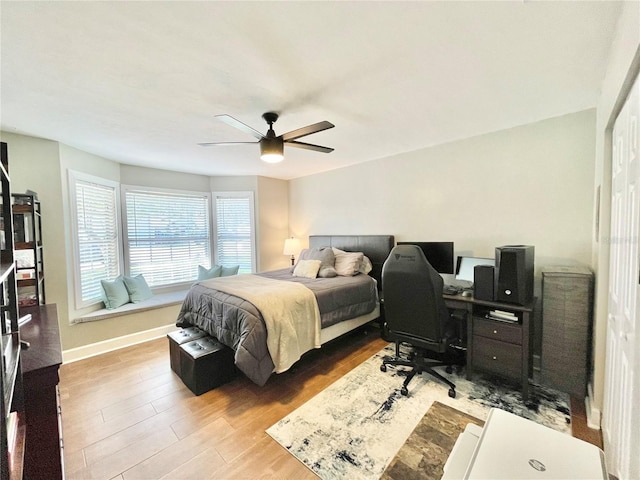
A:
(353, 429)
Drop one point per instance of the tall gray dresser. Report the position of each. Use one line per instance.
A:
(567, 311)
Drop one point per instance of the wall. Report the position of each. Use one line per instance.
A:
(36, 164)
(151, 177)
(466, 191)
(41, 165)
(526, 185)
(272, 222)
(271, 211)
(79, 335)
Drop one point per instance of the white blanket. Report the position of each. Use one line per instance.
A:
(289, 309)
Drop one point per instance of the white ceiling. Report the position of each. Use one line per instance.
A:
(140, 82)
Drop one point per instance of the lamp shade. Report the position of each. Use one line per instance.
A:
(291, 246)
(271, 150)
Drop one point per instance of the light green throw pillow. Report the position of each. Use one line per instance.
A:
(137, 288)
(207, 273)
(228, 271)
(114, 293)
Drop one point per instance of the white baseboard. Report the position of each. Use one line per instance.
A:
(86, 351)
(593, 413)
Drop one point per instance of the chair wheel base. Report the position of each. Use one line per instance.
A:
(383, 368)
(452, 393)
(404, 391)
(449, 369)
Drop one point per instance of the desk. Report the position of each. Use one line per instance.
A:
(497, 347)
(40, 364)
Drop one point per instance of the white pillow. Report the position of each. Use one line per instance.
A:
(326, 257)
(347, 264)
(366, 266)
(307, 268)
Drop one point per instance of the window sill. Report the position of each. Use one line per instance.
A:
(157, 301)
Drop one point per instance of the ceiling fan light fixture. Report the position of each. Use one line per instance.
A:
(272, 146)
(271, 150)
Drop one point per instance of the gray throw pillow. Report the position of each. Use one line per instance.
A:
(326, 257)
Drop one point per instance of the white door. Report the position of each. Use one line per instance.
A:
(621, 416)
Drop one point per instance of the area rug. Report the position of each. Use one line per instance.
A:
(424, 453)
(353, 428)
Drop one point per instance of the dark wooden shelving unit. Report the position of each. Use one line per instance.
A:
(12, 414)
(29, 255)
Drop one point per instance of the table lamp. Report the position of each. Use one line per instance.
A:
(291, 247)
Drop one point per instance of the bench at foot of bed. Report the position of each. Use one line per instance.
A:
(200, 361)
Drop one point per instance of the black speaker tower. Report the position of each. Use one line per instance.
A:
(514, 274)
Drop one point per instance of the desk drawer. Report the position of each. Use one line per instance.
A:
(497, 330)
(497, 357)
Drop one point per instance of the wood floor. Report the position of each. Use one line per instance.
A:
(126, 415)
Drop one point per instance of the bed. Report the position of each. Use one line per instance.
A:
(240, 310)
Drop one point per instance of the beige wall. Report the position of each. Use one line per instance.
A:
(34, 164)
(531, 184)
(42, 166)
(624, 65)
(272, 222)
(271, 214)
(151, 177)
(526, 185)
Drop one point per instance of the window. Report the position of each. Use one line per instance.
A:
(167, 234)
(94, 203)
(235, 235)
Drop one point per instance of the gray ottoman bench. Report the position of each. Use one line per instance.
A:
(176, 339)
(205, 364)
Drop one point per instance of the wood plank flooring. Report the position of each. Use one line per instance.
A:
(126, 415)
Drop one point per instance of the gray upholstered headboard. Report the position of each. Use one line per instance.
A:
(376, 247)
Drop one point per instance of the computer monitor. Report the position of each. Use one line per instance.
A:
(465, 266)
(439, 254)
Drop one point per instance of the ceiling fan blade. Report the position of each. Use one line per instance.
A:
(229, 120)
(309, 146)
(308, 130)
(211, 144)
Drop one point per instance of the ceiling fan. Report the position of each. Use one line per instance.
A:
(272, 146)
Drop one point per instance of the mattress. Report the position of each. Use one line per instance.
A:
(339, 298)
(237, 323)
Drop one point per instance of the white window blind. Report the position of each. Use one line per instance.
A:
(167, 234)
(235, 237)
(96, 228)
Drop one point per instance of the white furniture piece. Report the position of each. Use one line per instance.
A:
(511, 447)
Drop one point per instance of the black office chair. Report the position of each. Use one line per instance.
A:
(416, 314)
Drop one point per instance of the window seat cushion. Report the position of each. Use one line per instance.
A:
(157, 301)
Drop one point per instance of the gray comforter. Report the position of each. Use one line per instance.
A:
(238, 324)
